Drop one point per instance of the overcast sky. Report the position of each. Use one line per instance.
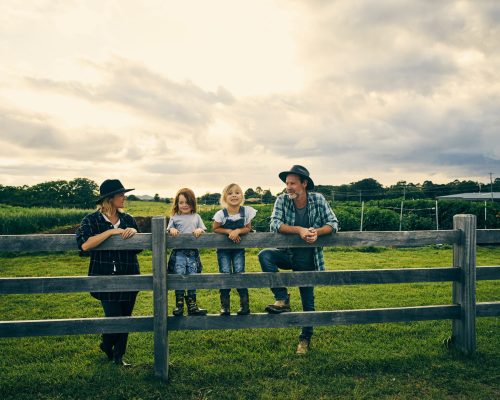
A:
(164, 94)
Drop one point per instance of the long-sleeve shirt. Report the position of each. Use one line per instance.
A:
(320, 214)
(109, 262)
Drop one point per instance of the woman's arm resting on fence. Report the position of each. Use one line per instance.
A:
(96, 240)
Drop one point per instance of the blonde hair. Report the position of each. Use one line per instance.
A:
(190, 198)
(105, 206)
(226, 190)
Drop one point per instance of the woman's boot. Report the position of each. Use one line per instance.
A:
(193, 308)
(244, 302)
(179, 305)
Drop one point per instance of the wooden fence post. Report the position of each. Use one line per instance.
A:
(160, 297)
(464, 291)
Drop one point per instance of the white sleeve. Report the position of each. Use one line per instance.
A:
(250, 213)
(219, 217)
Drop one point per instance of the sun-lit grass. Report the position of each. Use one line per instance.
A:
(397, 361)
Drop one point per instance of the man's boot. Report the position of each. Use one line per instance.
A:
(179, 305)
(225, 303)
(303, 346)
(193, 308)
(244, 302)
(279, 306)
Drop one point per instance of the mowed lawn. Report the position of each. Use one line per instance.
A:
(395, 361)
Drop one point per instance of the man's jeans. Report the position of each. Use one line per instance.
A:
(273, 259)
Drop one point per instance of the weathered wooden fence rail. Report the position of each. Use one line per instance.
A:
(463, 275)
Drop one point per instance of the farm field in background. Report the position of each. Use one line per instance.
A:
(398, 361)
(377, 215)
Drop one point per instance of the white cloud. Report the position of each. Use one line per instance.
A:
(238, 91)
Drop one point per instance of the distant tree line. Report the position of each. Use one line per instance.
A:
(77, 193)
(370, 189)
(83, 192)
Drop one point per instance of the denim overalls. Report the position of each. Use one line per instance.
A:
(232, 261)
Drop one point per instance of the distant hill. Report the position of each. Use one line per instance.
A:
(144, 197)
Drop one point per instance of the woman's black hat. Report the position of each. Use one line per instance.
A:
(109, 188)
(301, 171)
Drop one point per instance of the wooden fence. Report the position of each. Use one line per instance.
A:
(463, 274)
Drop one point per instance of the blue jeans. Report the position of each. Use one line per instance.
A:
(231, 261)
(185, 265)
(273, 259)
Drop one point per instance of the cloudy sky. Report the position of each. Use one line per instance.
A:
(163, 94)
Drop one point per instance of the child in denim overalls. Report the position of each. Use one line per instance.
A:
(233, 220)
(185, 261)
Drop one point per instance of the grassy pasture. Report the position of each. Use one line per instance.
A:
(395, 361)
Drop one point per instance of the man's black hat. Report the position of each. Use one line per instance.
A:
(301, 171)
(109, 188)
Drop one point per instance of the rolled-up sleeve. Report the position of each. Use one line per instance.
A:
(331, 218)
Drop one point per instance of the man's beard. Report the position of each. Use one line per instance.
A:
(292, 196)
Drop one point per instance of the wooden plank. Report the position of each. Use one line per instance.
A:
(345, 317)
(262, 240)
(160, 297)
(323, 278)
(58, 242)
(488, 236)
(489, 309)
(72, 284)
(55, 327)
(488, 273)
(464, 291)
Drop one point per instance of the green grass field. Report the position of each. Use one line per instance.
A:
(394, 361)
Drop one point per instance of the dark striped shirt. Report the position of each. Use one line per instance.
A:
(109, 262)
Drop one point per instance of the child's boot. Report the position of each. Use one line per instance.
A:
(193, 308)
(244, 302)
(225, 302)
(179, 305)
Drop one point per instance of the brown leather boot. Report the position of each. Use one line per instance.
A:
(303, 347)
(279, 306)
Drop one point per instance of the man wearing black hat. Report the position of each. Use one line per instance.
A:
(307, 214)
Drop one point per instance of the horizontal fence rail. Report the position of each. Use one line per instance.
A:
(255, 320)
(57, 242)
(120, 283)
(463, 276)
(352, 239)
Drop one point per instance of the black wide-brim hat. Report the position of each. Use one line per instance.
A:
(301, 171)
(109, 188)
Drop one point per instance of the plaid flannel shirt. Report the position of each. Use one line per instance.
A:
(109, 262)
(320, 214)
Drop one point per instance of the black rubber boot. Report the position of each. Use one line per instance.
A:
(244, 302)
(193, 308)
(225, 303)
(179, 306)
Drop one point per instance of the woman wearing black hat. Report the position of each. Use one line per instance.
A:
(109, 220)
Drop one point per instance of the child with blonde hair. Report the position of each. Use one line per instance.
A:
(233, 220)
(184, 219)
